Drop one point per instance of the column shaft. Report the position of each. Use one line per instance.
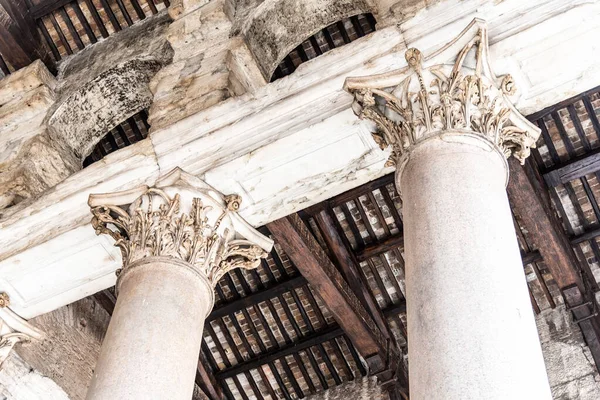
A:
(153, 341)
(471, 328)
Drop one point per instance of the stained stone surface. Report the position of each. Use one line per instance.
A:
(48, 126)
(198, 78)
(30, 161)
(106, 83)
(279, 26)
(18, 381)
(143, 41)
(85, 117)
(569, 363)
(365, 388)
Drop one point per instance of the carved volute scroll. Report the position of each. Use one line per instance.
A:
(13, 329)
(184, 218)
(454, 90)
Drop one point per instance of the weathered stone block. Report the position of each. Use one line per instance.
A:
(571, 370)
(277, 27)
(18, 84)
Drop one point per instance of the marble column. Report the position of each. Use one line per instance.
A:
(449, 123)
(177, 240)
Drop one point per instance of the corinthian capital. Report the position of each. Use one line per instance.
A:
(181, 217)
(450, 91)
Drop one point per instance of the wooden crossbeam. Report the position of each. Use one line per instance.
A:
(348, 265)
(255, 298)
(276, 353)
(207, 381)
(20, 41)
(573, 169)
(46, 7)
(302, 248)
(535, 214)
(528, 196)
(376, 249)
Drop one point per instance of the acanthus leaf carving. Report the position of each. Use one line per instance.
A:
(13, 329)
(189, 221)
(418, 102)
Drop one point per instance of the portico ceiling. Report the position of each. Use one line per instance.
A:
(270, 334)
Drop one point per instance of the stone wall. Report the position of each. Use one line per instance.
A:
(198, 77)
(30, 162)
(571, 369)
(361, 389)
(18, 381)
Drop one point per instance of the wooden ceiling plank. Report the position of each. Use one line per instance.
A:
(96, 17)
(302, 248)
(84, 23)
(277, 353)
(152, 6)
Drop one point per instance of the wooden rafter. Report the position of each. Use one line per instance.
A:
(207, 381)
(528, 196)
(20, 41)
(314, 264)
(332, 332)
(348, 265)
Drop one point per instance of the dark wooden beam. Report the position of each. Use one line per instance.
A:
(531, 257)
(206, 380)
(344, 258)
(591, 234)
(533, 210)
(310, 340)
(528, 195)
(375, 249)
(305, 252)
(107, 300)
(20, 41)
(573, 169)
(586, 315)
(46, 7)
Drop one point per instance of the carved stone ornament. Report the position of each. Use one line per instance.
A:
(13, 329)
(184, 218)
(453, 89)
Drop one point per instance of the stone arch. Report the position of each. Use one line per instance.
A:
(87, 114)
(278, 26)
(107, 83)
